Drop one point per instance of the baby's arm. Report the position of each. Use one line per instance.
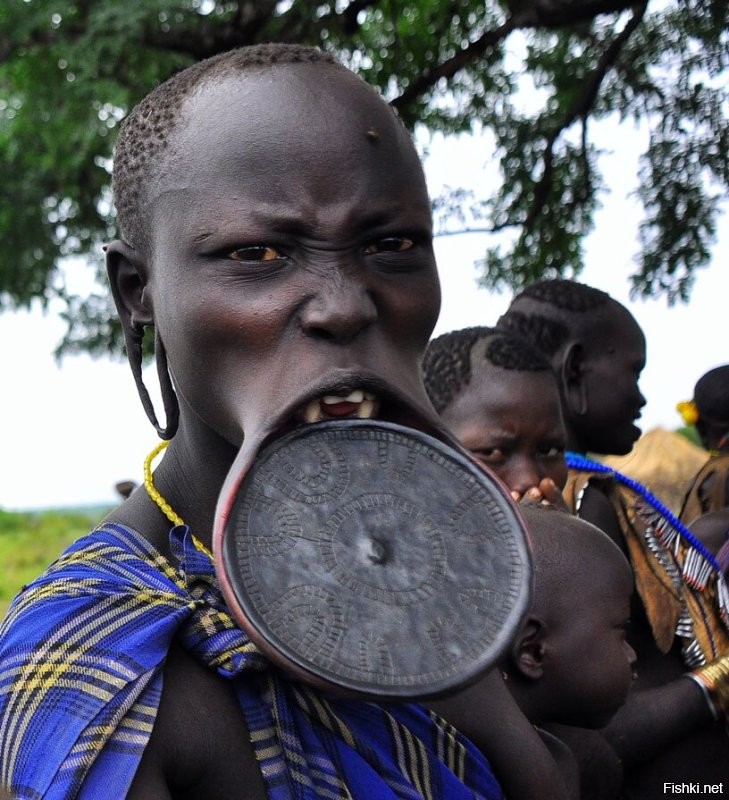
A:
(652, 719)
(600, 770)
(488, 715)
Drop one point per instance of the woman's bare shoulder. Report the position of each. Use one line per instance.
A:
(200, 746)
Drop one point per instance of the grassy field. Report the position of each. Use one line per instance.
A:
(29, 541)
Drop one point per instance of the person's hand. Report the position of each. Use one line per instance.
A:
(714, 680)
(547, 493)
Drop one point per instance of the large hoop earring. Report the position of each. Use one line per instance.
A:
(133, 338)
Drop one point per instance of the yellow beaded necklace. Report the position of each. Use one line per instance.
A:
(151, 489)
(157, 498)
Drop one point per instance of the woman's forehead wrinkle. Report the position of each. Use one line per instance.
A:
(208, 212)
(315, 201)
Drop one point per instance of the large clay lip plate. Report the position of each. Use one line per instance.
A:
(374, 559)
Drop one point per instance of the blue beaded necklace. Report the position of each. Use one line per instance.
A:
(580, 462)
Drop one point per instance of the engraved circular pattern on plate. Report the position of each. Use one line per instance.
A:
(310, 616)
(318, 475)
(478, 522)
(363, 550)
(271, 526)
(466, 517)
(391, 587)
(397, 459)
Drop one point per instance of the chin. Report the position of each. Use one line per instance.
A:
(628, 441)
(619, 444)
(620, 449)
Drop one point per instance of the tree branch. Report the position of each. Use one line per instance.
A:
(580, 108)
(524, 14)
(462, 231)
(558, 13)
(457, 62)
(586, 170)
(208, 39)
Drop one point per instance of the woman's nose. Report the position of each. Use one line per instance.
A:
(521, 474)
(339, 311)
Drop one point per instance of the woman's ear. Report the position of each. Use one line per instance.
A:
(128, 280)
(128, 277)
(572, 375)
(528, 650)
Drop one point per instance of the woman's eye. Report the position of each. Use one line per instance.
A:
(491, 455)
(390, 244)
(256, 252)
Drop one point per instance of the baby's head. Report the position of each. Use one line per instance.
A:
(597, 352)
(497, 394)
(276, 233)
(571, 662)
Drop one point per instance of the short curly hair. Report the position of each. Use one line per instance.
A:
(145, 132)
(566, 295)
(447, 360)
(565, 298)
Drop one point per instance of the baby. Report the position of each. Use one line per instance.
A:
(571, 663)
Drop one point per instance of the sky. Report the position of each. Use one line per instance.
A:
(69, 432)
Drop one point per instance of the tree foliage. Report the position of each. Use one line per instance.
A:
(70, 69)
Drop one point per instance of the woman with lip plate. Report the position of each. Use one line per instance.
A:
(276, 235)
(672, 727)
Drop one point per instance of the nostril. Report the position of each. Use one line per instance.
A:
(338, 315)
(321, 333)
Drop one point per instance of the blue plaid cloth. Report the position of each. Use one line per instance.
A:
(81, 656)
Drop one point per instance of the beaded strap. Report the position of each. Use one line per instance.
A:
(696, 568)
(580, 462)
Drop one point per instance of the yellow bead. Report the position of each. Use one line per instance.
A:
(151, 489)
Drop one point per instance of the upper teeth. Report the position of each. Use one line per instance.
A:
(366, 402)
(312, 411)
(355, 396)
(367, 408)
